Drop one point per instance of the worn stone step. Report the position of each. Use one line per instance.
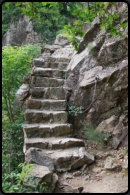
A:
(57, 93)
(46, 130)
(48, 72)
(59, 160)
(47, 82)
(42, 116)
(39, 61)
(55, 59)
(51, 62)
(52, 143)
(57, 65)
(46, 104)
(48, 64)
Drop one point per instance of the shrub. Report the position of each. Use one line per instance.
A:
(15, 64)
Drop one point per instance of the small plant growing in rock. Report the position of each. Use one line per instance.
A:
(74, 111)
(93, 135)
(42, 188)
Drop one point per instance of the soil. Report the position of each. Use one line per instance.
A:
(95, 178)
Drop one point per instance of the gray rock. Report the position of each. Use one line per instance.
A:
(107, 126)
(115, 142)
(44, 175)
(112, 164)
(83, 168)
(87, 177)
(63, 160)
(77, 173)
(22, 92)
(63, 53)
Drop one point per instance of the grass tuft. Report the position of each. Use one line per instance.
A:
(93, 135)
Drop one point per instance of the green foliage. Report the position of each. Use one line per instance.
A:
(42, 188)
(12, 183)
(73, 32)
(48, 17)
(107, 19)
(49, 23)
(74, 111)
(10, 13)
(15, 63)
(92, 134)
(51, 18)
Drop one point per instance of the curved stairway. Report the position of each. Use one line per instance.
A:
(48, 142)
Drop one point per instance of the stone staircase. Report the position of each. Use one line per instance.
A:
(48, 142)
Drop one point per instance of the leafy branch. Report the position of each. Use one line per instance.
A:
(106, 17)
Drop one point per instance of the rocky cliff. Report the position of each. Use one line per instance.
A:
(21, 34)
(106, 57)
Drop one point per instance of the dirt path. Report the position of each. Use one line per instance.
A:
(97, 177)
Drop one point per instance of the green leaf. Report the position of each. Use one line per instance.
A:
(74, 13)
(101, 11)
(6, 4)
(3, 155)
(82, 15)
(121, 35)
(103, 25)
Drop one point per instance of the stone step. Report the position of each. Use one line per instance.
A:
(52, 143)
(39, 61)
(51, 62)
(48, 72)
(42, 116)
(55, 59)
(59, 160)
(48, 64)
(47, 82)
(46, 130)
(56, 105)
(56, 93)
(57, 65)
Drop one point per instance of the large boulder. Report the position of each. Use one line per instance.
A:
(107, 126)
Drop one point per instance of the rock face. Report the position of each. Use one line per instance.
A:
(47, 139)
(22, 34)
(106, 57)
